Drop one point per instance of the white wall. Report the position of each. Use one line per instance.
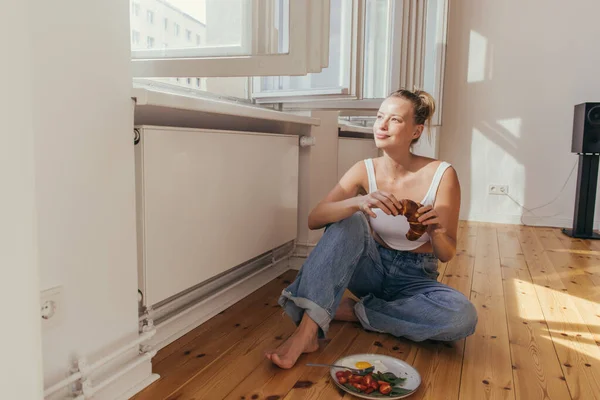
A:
(514, 71)
(352, 150)
(20, 347)
(317, 172)
(84, 171)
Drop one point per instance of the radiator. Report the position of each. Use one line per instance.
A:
(208, 201)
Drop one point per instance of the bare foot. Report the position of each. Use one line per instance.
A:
(303, 340)
(288, 353)
(345, 311)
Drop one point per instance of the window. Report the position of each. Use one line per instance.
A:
(150, 16)
(135, 38)
(377, 42)
(299, 54)
(135, 9)
(166, 23)
(383, 46)
(239, 38)
(150, 42)
(333, 79)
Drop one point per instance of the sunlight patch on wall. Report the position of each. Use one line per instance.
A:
(477, 56)
(511, 125)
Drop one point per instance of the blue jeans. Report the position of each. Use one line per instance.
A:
(398, 291)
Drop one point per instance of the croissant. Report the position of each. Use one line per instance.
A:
(409, 210)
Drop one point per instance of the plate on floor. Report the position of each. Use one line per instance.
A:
(409, 381)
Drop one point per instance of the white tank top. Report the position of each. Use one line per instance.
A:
(392, 229)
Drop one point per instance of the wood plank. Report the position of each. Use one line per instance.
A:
(265, 294)
(579, 284)
(547, 289)
(536, 368)
(212, 340)
(579, 245)
(462, 225)
(221, 376)
(269, 381)
(582, 258)
(487, 368)
(577, 351)
(508, 242)
(467, 240)
(440, 364)
(548, 239)
(315, 380)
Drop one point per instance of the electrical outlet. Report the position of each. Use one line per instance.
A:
(51, 307)
(498, 189)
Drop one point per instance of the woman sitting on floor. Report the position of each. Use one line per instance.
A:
(365, 247)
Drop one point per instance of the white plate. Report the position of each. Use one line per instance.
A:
(382, 363)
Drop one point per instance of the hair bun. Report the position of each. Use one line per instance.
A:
(427, 103)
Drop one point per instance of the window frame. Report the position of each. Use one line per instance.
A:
(304, 56)
(348, 52)
(408, 22)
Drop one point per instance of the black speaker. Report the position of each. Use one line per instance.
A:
(586, 128)
(586, 143)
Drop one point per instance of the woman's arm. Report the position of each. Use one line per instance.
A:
(348, 197)
(443, 218)
(341, 201)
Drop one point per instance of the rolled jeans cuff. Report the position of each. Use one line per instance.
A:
(361, 314)
(295, 307)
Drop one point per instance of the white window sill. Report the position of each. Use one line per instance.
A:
(156, 107)
(290, 96)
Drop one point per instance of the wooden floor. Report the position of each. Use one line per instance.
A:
(537, 293)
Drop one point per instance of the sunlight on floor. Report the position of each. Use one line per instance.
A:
(574, 251)
(570, 330)
(586, 348)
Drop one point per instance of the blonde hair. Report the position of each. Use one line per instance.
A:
(423, 106)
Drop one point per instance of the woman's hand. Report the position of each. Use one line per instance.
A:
(379, 199)
(431, 219)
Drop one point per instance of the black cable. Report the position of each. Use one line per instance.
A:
(530, 210)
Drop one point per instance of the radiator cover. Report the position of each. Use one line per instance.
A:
(208, 201)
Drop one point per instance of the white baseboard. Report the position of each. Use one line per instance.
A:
(174, 328)
(296, 262)
(557, 222)
(139, 387)
(129, 384)
(303, 249)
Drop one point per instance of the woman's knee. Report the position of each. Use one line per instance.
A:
(463, 319)
(352, 227)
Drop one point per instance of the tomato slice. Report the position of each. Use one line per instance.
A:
(385, 389)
